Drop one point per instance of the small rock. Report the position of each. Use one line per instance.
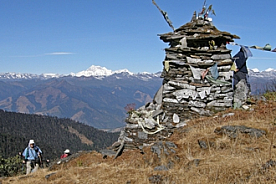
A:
(202, 144)
(155, 179)
(245, 107)
(228, 115)
(161, 168)
(49, 175)
(232, 131)
(175, 118)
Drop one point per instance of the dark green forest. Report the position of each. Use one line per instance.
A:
(51, 134)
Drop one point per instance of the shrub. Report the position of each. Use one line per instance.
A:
(270, 96)
(11, 166)
(130, 108)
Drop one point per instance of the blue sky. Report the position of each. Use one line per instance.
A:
(63, 36)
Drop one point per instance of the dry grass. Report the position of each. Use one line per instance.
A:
(225, 160)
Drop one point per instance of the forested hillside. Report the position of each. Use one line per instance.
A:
(53, 135)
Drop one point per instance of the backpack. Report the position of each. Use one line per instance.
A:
(38, 159)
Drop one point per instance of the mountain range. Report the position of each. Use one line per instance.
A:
(99, 72)
(262, 81)
(96, 96)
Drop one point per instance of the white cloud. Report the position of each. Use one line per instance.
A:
(59, 53)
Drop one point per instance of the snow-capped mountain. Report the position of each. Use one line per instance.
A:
(268, 73)
(93, 71)
(261, 81)
(270, 69)
(255, 70)
(19, 76)
(99, 72)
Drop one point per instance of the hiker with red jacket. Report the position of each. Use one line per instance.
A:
(32, 156)
(65, 154)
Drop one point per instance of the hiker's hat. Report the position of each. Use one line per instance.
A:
(31, 141)
(67, 151)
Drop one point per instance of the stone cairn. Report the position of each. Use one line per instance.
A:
(197, 81)
(197, 76)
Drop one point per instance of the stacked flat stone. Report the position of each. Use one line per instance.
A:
(197, 45)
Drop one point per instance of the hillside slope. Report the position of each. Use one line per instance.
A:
(53, 135)
(225, 158)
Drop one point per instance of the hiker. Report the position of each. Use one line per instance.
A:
(240, 71)
(65, 154)
(32, 156)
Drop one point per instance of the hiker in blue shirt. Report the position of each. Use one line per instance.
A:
(32, 155)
